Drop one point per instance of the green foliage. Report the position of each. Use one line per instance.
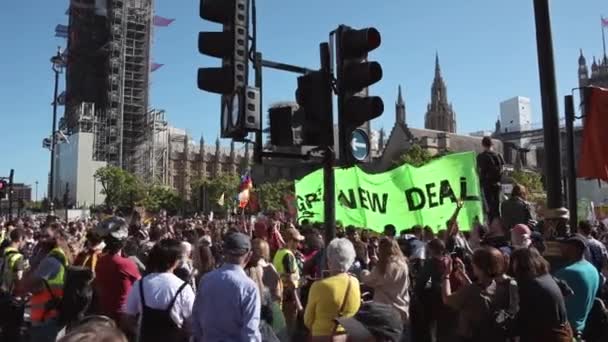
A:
(530, 179)
(161, 197)
(271, 195)
(415, 156)
(121, 188)
(226, 184)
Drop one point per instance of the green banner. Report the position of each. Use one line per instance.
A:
(405, 196)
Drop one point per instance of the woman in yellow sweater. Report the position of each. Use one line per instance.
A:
(333, 297)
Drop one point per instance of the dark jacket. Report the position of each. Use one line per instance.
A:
(515, 211)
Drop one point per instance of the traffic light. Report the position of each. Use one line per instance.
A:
(314, 96)
(354, 74)
(239, 103)
(3, 188)
(281, 129)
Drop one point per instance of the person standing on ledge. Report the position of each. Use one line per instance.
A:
(490, 166)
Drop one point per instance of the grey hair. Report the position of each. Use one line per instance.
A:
(340, 255)
(186, 249)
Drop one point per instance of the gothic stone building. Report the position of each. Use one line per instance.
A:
(438, 136)
(188, 162)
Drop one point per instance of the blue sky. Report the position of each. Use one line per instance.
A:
(487, 51)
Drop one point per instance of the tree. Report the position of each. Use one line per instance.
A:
(227, 184)
(161, 197)
(415, 156)
(271, 195)
(529, 179)
(121, 188)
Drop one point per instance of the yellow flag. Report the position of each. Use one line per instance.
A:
(220, 201)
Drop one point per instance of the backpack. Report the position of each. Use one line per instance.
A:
(495, 167)
(503, 319)
(77, 294)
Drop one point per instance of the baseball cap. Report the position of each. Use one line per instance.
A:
(293, 234)
(236, 244)
(114, 226)
(375, 320)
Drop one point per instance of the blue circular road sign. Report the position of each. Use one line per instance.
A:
(359, 144)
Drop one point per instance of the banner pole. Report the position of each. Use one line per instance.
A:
(329, 195)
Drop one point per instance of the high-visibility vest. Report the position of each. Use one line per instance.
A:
(39, 313)
(10, 257)
(278, 264)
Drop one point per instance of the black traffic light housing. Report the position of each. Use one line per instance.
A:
(354, 74)
(314, 96)
(239, 103)
(281, 127)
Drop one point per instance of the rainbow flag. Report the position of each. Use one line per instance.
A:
(245, 190)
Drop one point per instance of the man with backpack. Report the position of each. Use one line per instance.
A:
(490, 166)
(11, 272)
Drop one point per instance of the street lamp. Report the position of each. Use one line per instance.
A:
(57, 64)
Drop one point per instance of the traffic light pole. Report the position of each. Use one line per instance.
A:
(329, 196)
(10, 194)
(548, 89)
(328, 156)
(572, 196)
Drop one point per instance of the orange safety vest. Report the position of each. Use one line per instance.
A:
(52, 290)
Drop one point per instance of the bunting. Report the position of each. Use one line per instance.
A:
(161, 21)
(155, 66)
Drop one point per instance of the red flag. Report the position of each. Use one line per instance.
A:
(604, 22)
(593, 161)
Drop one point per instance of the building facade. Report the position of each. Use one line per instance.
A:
(189, 162)
(75, 171)
(440, 115)
(515, 114)
(402, 137)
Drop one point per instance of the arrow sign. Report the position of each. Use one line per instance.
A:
(359, 144)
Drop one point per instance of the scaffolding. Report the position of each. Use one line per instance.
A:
(130, 24)
(150, 158)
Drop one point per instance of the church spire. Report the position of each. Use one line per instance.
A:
(400, 108)
(440, 115)
(437, 66)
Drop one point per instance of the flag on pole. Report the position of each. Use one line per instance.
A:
(61, 31)
(604, 22)
(244, 190)
(220, 200)
(162, 21)
(593, 161)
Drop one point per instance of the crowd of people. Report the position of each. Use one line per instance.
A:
(191, 279)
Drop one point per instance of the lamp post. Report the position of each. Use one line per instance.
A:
(57, 66)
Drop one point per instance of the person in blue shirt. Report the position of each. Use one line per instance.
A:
(228, 304)
(583, 279)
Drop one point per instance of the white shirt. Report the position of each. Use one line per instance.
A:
(159, 290)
